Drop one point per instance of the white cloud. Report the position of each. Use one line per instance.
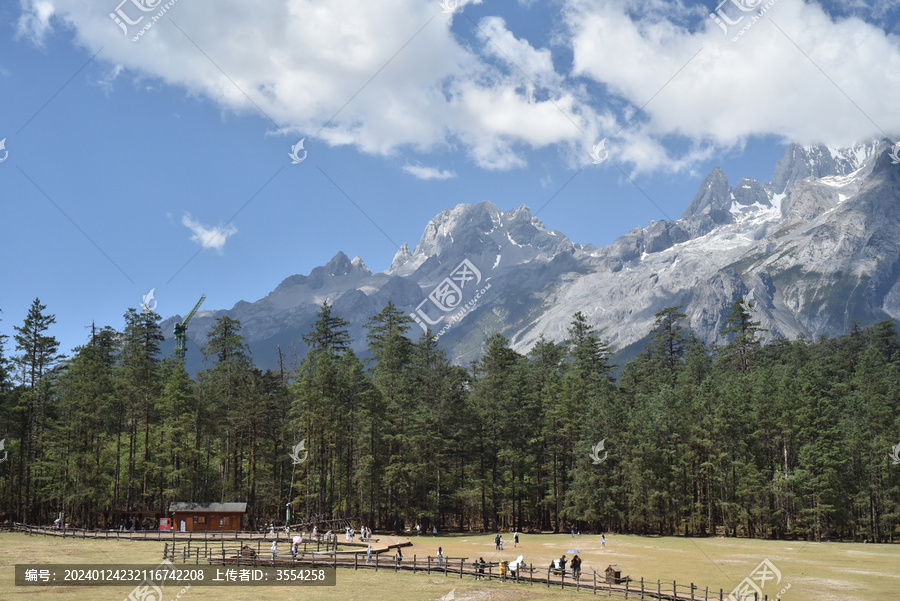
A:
(760, 85)
(308, 65)
(208, 237)
(422, 172)
(34, 22)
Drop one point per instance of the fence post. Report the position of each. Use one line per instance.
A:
(706, 594)
(674, 590)
(429, 565)
(376, 561)
(414, 562)
(642, 588)
(627, 582)
(692, 591)
(460, 568)
(658, 589)
(720, 594)
(356, 561)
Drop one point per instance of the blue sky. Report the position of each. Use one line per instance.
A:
(125, 156)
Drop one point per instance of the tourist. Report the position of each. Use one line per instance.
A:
(369, 554)
(500, 541)
(562, 564)
(576, 567)
(602, 541)
(515, 539)
(440, 557)
(434, 530)
(497, 542)
(274, 549)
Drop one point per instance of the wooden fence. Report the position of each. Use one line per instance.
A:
(155, 535)
(459, 567)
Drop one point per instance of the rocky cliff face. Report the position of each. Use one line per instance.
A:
(818, 246)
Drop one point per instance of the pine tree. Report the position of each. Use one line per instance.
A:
(39, 354)
(746, 342)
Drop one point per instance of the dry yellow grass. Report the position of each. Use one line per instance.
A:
(815, 572)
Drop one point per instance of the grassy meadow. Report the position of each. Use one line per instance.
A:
(814, 571)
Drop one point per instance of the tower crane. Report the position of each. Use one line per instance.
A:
(181, 330)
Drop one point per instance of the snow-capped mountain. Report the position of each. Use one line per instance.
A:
(816, 247)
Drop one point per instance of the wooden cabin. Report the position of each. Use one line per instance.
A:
(191, 517)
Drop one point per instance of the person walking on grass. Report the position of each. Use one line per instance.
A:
(440, 557)
(602, 541)
(515, 539)
(274, 549)
(497, 542)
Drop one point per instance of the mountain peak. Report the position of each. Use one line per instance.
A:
(339, 264)
(819, 160)
(360, 265)
(401, 258)
(712, 195)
